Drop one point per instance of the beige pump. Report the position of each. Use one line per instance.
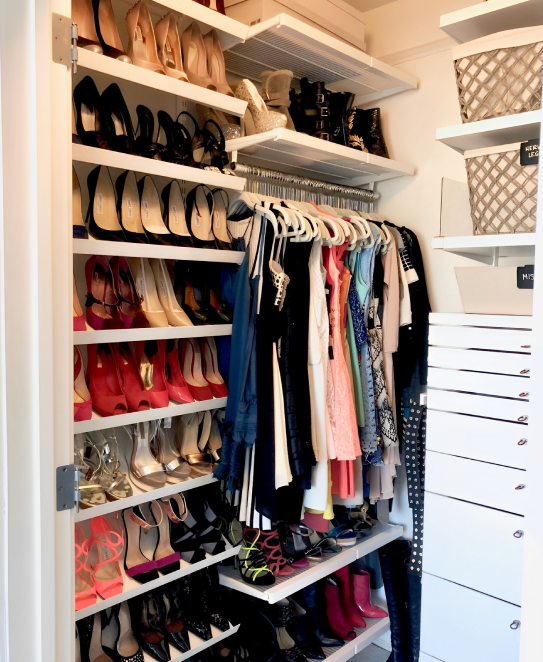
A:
(83, 15)
(141, 39)
(146, 287)
(169, 47)
(175, 314)
(194, 57)
(215, 63)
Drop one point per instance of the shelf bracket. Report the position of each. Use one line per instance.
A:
(65, 42)
(67, 488)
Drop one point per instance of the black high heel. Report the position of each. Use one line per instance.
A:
(196, 148)
(114, 106)
(145, 145)
(210, 590)
(85, 627)
(118, 630)
(151, 213)
(199, 215)
(178, 140)
(175, 622)
(102, 219)
(148, 616)
(128, 207)
(197, 620)
(187, 295)
(106, 29)
(174, 213)
(214, 146)
(93, 126)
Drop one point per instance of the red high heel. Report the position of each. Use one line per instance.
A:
(192, 370)
(178, 389)
(131, 381)
(361, 596)
(79, 316)
(211, 368)
(334, 612)
(150, 359)
(349, 608)
(102, 302)
(270, 545)
(130, 311)
(82, 397)
(104, 381)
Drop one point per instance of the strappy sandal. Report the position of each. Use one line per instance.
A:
(136, 564)
(107, 576)
(114, 481)
(344, 535)
(252, 565)
(325, 542)
(270, 545)
(85, 591)
(91, 491)
(194, 430)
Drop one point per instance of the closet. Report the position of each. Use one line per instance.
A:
(481, 582)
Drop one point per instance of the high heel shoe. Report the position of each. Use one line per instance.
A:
(215, 63)
(165, 557)
(144, 134)
(114, 107)
(78, 315)
(211, 368)
(281, 616)
(361, 596)
(151, 213)
(83, 16)
(79, 230)
(208, 578)
(128, 207)
(118, 639)
(259, 118)
(178, 142)
(147, 615)
(146, 287)
(92, 124)
(95, 651)
(178, 389)
(102, 219)
(193, 152)
(350, 610)
(130, 312)
(104, 381)
(174, 213)
(186, 295)
(268, 543)
(176, 316)
(136, 564)
(150, 359)
(167, 453)
(303, 632)
(169, 47)
(85, 591)
(275, 92)
(141, 39)
(191, 358)
(107, 574)
(106, 28)
(145, 472)
(252, 565)
(220, 213)
(194, 57)
(132, 383)
(102, 302)
(175, 621)
(192, 436)
(91, 492)
(334, 612)
(199, 215)
(103, 443)
(214, 154)
(82, 397)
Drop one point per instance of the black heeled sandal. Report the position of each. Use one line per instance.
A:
(145, 131)
(215, 155)
(178, 140)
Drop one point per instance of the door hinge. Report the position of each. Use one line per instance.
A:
(67, 487)
(65, 42)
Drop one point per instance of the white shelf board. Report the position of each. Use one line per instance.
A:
(492, 132)
(110, 159)
(284, 42)
(132, 588)
(93, 337)
(127, 249)
(285, 586)
(142, 497)
(375, 628)
(105, 422)
(107, 65)
(197, 645)
(485, 248)
(312, 157)
(489, 17)
(470, 319)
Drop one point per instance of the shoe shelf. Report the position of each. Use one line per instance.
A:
(110, 159)
(92, 337)
(197, 645)
(140, 497)
(308, 156)
(487, 247)
(492, 16)
(132, 588)
(127, 249)
(285, 586)
(492, 132)
(104, 422)
(284, 42)
(94, 62)
(375, 628)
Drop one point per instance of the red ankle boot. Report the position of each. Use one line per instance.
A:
(360, 595)
(334, 612)
(349, 608)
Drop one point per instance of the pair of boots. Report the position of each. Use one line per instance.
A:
(403, 593)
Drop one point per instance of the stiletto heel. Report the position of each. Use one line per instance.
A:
(128, 207)
(119, 643)
(146, 287)
(199, 214)
(176, 631)
(114, 482)
(192, 370)
(114, 107)
(194, 57)
(141, 39)
(167, 454)
(178, 389)
(82, 397)
(132, 383)
(211, 368)
(85, 591)
(169, 47)
(174, 213)
(215, 63)
(102, 302)
(83, 16)
(96, 651)
(104, 381)
(220, 213)
(197, 620)
(79, 316)
(178, 140)
(176, 316)
(148, 615)
(106, 28)
(107, 576)
(79, 231)
(130, 312)
(102, 219)
(92, 123)
(262, 118)
(151, 213)
(136, 564)
(145, 472)
(144, 134)
(192, 451)
(164, 556)
(150, 358)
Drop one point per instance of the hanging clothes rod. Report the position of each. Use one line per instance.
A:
(274, 177)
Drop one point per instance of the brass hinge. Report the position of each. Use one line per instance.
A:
(65, 42)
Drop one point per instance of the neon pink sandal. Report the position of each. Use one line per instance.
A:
(107, 576)
(85, 592)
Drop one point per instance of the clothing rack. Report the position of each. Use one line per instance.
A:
(265, 181)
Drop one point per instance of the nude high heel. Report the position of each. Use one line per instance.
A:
(82, 397)
(175, 314)
(169, 47)
(168, 454)
(145, 472)
(192, 370)
(275, 92)
(141, 39)
(146, 287)
(215, 63)
(211, 368)
(83, 15)
(194, 57)
(106, 28)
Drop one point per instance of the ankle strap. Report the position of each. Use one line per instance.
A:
(142, 522)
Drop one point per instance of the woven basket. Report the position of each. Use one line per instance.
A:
(502, 193)
(500, 74)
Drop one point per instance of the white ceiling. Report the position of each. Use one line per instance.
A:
(366, 5)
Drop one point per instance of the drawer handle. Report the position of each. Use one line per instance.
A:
(520, 487)
(523, 442)
(518, 534)
(522, 419)
(525, 372)
(526, 347)
(515, 625)
(523, 395)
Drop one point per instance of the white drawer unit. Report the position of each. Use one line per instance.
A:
(465, 337)
(498, 363)
(517, 411)
(472, 545)
(462, 625)
(503, 386)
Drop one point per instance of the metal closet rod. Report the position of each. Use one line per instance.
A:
(295, 181)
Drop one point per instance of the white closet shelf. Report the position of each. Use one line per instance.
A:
(142, 497)
(489, 17)
(285, 586)
(92, 337)
(197, 645)
(104, 422)
(127, 249)
(484, 248)
(107, 65)
(132, 588)
(312, 157)
(375, 628)
(110, 159)
(492, 132)
(284, 42)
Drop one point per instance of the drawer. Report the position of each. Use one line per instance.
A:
(477, 482)
(502, 363)
(477, 438)
(461, 625)
(467, 337)
(503, 386)
(479, 405)
(474, 546)
(491, 321)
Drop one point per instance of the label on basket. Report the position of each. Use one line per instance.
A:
(529, 153)
(525, 277)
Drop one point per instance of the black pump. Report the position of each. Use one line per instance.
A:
(98, 204)
(148, 617)
(115, 109)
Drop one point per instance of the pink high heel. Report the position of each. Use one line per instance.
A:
(192, 370)
(85, 591)
(79, 316)
(211, 368)
(107, 576)
(82, 397)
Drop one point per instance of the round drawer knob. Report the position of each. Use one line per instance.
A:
(523, 442)
(520, 487)
(515, 625)
(518, 534)
(522, 419)
(523, 395)
(525, 372)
